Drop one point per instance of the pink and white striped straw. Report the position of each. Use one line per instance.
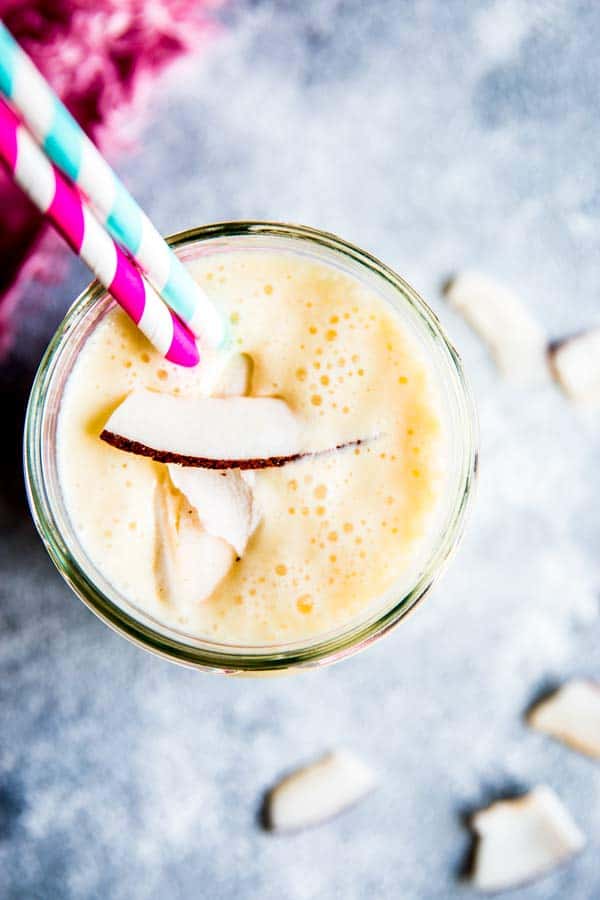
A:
(61, 202)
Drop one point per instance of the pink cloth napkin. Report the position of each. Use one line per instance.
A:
(101, 57)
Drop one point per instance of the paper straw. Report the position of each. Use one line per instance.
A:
(64, 206)
(69, 148)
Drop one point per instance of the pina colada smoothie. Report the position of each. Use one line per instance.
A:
(270, 554)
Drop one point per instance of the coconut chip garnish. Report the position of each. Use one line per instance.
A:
(225, 501)
(514, 338)
(319, 791)
(572, 715)
(522, 839)
(212, 447)
(204, 518)
(212, 432)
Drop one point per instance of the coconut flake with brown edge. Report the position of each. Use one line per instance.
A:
(522, 839)
(211, 432)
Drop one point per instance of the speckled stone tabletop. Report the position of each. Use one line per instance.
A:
(437, 135)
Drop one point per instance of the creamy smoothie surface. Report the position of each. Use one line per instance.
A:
(335, 531)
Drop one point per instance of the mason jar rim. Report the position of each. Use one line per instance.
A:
(202, 653)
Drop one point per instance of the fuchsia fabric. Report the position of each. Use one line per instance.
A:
(101, 56)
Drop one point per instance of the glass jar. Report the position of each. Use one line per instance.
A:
(88, 582)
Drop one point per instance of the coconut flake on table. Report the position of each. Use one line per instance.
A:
(212, 432)
(575, 364)
(522, 839)
(572, 715)
(190, 563)
(319, 791)
(514, 338)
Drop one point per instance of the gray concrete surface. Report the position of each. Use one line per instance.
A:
(436, 135)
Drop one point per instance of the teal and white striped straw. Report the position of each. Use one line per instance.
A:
(66, 144)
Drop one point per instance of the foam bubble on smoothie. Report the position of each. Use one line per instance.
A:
(337, 531)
